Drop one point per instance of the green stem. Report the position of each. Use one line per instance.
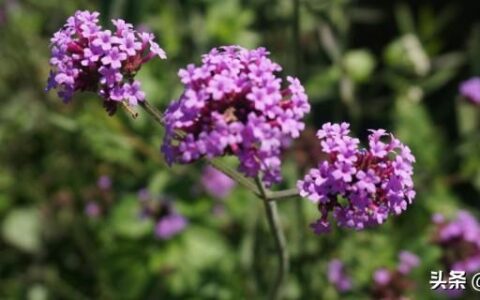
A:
(152, 111)
(282, 195)
(280, 243)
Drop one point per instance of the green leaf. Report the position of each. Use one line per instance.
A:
(126, 221)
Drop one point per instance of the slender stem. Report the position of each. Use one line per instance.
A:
(280, 243)
(282, 195)
(153, 111)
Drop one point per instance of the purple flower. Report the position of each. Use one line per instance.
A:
(130, 45)
(110, 76)
(459, 241)
(382, 276)
(104, 182)
(470, 89)
(394, 284)
(84, 57)
(360, 187)
(92, 209)
(216, 184)
(169, 226)
(103, 40)
(408, 261)
(133, 93)
(233, 104)
(338, 277)
(168, 222)
(114, 58)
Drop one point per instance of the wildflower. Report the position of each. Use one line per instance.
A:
(338, 277)
(459, 242)
(104, 182)
(360, 187)
(86, 58)
(92, 209)
(233, 104)
(168, 222)
(395, 284)
(215, 183)
(470, 89)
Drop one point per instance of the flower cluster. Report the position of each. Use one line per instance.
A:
(459, 240)
(168, 222)
(394, 284)
(234, 104)
(361, 187)
(215, 183)
(338, 277)
(87, 58)
(470, 89)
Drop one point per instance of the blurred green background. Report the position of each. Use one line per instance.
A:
(389, 64)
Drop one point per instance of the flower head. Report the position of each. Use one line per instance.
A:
(338, 277)
(395, 284)
(87, 58)
(459, 241)
(470, 89)
(234, 104)
(168, 222)
(359, 187)
(215, 183)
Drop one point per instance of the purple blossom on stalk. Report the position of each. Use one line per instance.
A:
(359, 187)
(234, 104)
(470, 89)
(215, 183)
(168, 222)
(338, 277)
(459, 241)
(86, 58)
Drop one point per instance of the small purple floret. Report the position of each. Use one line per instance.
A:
(470, 89)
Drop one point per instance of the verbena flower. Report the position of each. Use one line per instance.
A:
(359, 187)
(168, 222)
(86, 58)
(234, 104)
(338, 277)
(459, 241)
(93, 209)
(395, 284)
(215, 183)
(104, 182)
(470, 89)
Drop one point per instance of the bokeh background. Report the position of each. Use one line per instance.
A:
(72, 179)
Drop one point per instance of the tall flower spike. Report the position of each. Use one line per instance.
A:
(87, 58)
(359, 187)
(234, 104)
